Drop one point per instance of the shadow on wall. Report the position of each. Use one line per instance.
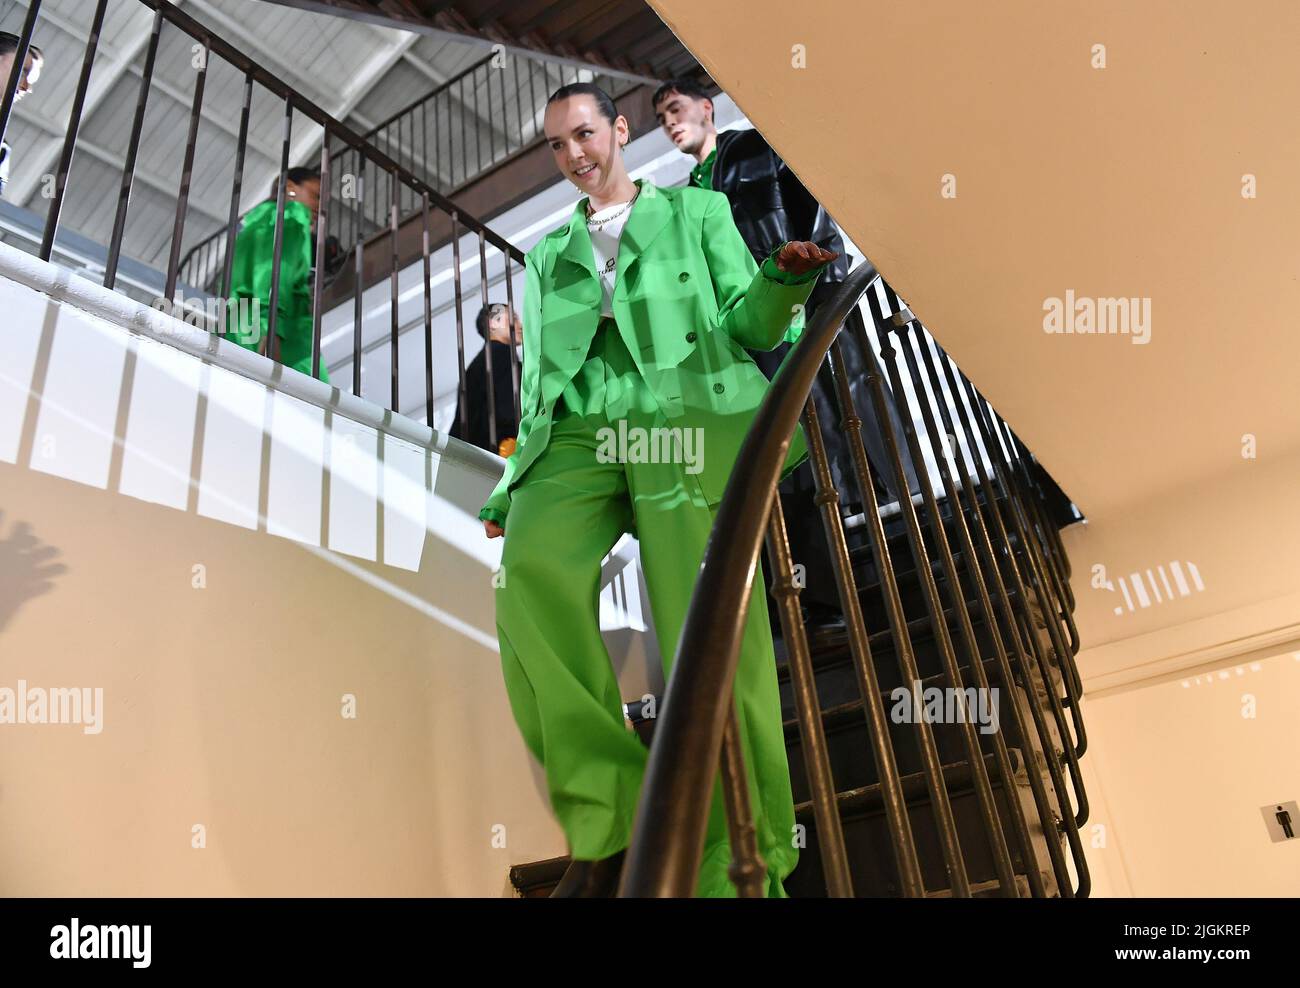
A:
(28, 568)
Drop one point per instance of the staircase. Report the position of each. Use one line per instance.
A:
(859, 794)
(955, 607)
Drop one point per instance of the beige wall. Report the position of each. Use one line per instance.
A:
(1180, 769)
(1123, 181)
(129, 563)
(1117, 181)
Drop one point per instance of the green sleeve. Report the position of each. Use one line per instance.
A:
(754, 308)
(498, 504)
(295, 268)
(771, 271)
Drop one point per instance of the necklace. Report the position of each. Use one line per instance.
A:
(597, 224)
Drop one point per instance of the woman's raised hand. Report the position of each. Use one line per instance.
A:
(494, 531)
(802, 256)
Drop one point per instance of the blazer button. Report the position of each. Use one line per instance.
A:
(684, 276)
(690, 337)
(719, 388)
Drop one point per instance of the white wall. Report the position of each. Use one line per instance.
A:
(227, 560)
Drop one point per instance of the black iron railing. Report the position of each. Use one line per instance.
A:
(464, 128)
(377, 182)
(987, 596)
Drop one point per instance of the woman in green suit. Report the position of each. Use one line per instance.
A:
(636, 395)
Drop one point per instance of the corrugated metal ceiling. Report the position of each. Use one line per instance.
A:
(360, 73)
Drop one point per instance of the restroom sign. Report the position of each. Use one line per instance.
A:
(1282, 821)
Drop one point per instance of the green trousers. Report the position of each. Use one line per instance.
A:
(566, 514)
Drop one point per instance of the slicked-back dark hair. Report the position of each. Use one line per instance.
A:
(485, 314)
(685, 85)
(604, 102)
(9, 44)
(297, 176)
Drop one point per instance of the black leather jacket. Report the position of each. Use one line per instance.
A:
(769, 203)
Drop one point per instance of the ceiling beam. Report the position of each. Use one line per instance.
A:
(101, 84)
(440, 26)
(371, 72)
(441, 78)
(271, 58)
(169, 189)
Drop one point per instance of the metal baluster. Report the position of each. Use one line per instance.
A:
(966, 631)
(1051, 605)
(1051, 756)
(272, 342)
(1005, 635)
(1053, 553)
(748, 871)
(514, 350)
(392, 283)
(236, 189)
(437, 142)
(812, 731)
(940, 804)
(532, 97)
(187, 173)
(895, 802)
(358, 280)
(428, 317)
(478, 134)
(464, 141)
(489, 71)
(322, 219)
(519, 108)
(424, 145)
(74, 123)
(462, 402)
(493, 437)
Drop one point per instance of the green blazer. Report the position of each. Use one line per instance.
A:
(250, 281)
(687, 300)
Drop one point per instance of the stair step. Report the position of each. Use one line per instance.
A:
(870, 851)
(537, 878)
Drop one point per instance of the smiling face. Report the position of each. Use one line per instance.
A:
(586, 145)
(686, 121)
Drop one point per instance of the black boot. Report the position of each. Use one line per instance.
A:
(591, 879)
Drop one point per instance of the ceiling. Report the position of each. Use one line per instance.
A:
(1122, 181)
(624, 36)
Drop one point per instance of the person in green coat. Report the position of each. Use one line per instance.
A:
(636, 396)
(253, 267)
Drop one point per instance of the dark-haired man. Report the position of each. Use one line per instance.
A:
(770, 206)
(496, 323)
(9, 44)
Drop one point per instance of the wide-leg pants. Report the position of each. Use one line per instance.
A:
(566, 514)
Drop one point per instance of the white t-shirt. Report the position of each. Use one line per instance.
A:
(604, 245)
